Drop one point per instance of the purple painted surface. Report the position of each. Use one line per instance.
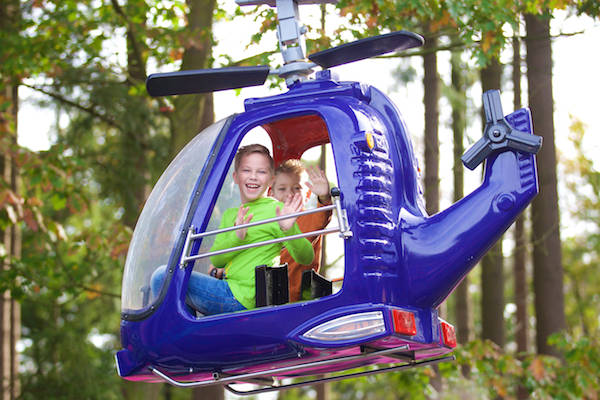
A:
(397, 257)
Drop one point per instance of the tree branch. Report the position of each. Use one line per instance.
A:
(90, 110)
(130, 35)
(100, 292)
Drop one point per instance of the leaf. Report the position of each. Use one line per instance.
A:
(499, 387)
(30, 220)
(486, 43)
(12, 214)
(443, 22)
(119, 250)
(94, 293)
(58, 202)
(34, 202)
(537, 369)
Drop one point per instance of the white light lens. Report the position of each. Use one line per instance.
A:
(349, 327)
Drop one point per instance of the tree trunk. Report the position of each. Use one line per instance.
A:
(492, 278)
(520, 273)
(194, 112)
(431, 88)
(492, 295)
(519, 256)
(545, 235)
(459, 107)
(133, 138)
(10, 310)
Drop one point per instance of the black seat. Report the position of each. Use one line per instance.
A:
(314, 286)
(272, 286)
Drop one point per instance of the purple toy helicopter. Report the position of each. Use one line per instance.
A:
(399, 263)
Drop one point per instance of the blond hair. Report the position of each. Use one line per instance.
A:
(291, 166)
(251, 149)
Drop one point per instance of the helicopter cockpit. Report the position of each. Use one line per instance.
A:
(160, 224)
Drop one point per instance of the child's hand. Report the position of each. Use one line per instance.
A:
(318, 184)
(292, 204)
(242, 218)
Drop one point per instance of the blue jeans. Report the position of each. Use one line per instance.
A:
(206, 294)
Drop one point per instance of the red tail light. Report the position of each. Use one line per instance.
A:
(448, 334)
(404, 322)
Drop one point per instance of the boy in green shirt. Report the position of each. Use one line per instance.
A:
(253, 173)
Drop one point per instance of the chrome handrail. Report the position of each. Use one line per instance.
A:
(258, 244)
(343, 227)
(262, 221)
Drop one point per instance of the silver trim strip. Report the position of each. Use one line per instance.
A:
(235, 378)
(217, 380)
(340, 377)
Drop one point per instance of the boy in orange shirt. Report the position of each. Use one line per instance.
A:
(285, 186)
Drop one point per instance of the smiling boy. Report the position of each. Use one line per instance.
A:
(253, 174)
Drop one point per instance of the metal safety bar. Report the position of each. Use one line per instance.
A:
(258, 244)
(261, 222)
(223, 379)
(339, 377)
(226, 379)
(343, 227)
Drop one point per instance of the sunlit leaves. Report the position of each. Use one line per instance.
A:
(581, 251)
(492, 373)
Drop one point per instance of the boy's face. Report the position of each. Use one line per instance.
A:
(253, 176)
(285, 185)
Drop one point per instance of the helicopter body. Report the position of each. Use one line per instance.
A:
(400, 263)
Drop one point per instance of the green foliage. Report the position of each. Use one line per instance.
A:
(66, 278)
(576, 378)
(588, 7)
(581, 251)
(60, 361)
(79, 200)
(477, 24)
(484, 371)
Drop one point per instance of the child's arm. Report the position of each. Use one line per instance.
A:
(301, 250)
(226, 240)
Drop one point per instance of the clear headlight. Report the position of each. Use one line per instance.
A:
(349, 327)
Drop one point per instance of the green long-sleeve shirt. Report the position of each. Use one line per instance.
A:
(239, 265)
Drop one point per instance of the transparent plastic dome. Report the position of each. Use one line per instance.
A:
(161, 220)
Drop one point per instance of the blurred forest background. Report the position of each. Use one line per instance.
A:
(526, 318)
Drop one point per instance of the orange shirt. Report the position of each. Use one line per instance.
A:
(307, 223)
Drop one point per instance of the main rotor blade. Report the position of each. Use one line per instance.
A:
(366, 48)
(205, 80)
